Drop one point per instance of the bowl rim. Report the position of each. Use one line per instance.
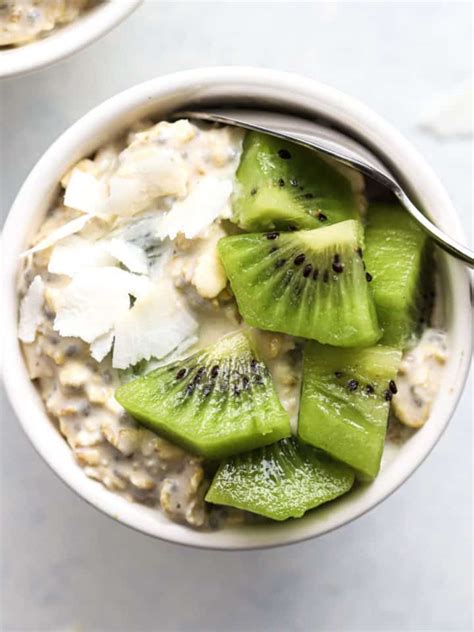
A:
(119, 111)
(66, 40)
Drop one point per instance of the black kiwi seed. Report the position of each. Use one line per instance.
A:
(338, 373)
(274, 249)
(293, 182)
(393, 387)
(322, 217)
(236, 390)
(369, 389)
(307, 270)
(258, 379)
(298, 260)
(215, 371)
(292, 228)
(273, 235)
(315, 274)
(337, 266)
(254, 365)
(280, 263)
(326, 276)
(352, 385)
(253, 192)
(281, 182)
(199, 374)
(245, 382)
(308, 196)
(284, 153)
(181, 373)
(388, 395)
(359, 252)
(206, 391)
(368, 276)
(190, 388)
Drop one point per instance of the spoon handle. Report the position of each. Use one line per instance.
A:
(444, 241)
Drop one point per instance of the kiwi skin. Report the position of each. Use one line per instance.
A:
(217, 402)
(281, 185)
(310, 284)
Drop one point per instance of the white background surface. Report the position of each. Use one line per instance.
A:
(406, 565)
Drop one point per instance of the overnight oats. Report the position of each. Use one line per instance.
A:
(222, 326)
(24, 21)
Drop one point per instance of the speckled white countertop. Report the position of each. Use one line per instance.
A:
(404, 566)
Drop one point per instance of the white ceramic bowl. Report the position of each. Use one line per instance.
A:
(234, 85)
(66, 39)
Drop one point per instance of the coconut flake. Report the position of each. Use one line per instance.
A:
(161, 170)
(129, 254)
(144, 175)
(85, 192)
(207, 201)
(31, 310)
(75, 254)
(157, 324)
(101, 346)
(94, 300)
(70, 228)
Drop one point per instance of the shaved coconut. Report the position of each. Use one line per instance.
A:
(76, 253)
(157, 324)
(131, 255)
(31, 310)
(127, 196)
(102, 345)
(207, 201)
(163, 171)
(85, 192)
(94, 300)
(74, 226)
(143, 176)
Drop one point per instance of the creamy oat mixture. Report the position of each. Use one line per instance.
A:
(124, 276)
(22, 21)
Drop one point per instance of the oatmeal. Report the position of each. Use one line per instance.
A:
(128, 281)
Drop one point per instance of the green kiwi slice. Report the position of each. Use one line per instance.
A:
(279, 481)
(282, 185)
(345, 401)
(217, 402)
(395, 254)
(306, 283)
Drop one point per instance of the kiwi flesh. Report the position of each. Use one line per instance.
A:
(279, 481)
(217, 402)
(282, 185)
(396, 253)
(311, 284)
(345, 402)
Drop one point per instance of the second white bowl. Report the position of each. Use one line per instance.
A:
(65, 40)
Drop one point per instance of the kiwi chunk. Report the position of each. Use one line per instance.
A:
(306, 283)
(279, 481)
(395, 254)
(217, 402)
(283, 185)
(345, 401)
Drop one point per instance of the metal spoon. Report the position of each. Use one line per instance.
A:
(337, 145)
